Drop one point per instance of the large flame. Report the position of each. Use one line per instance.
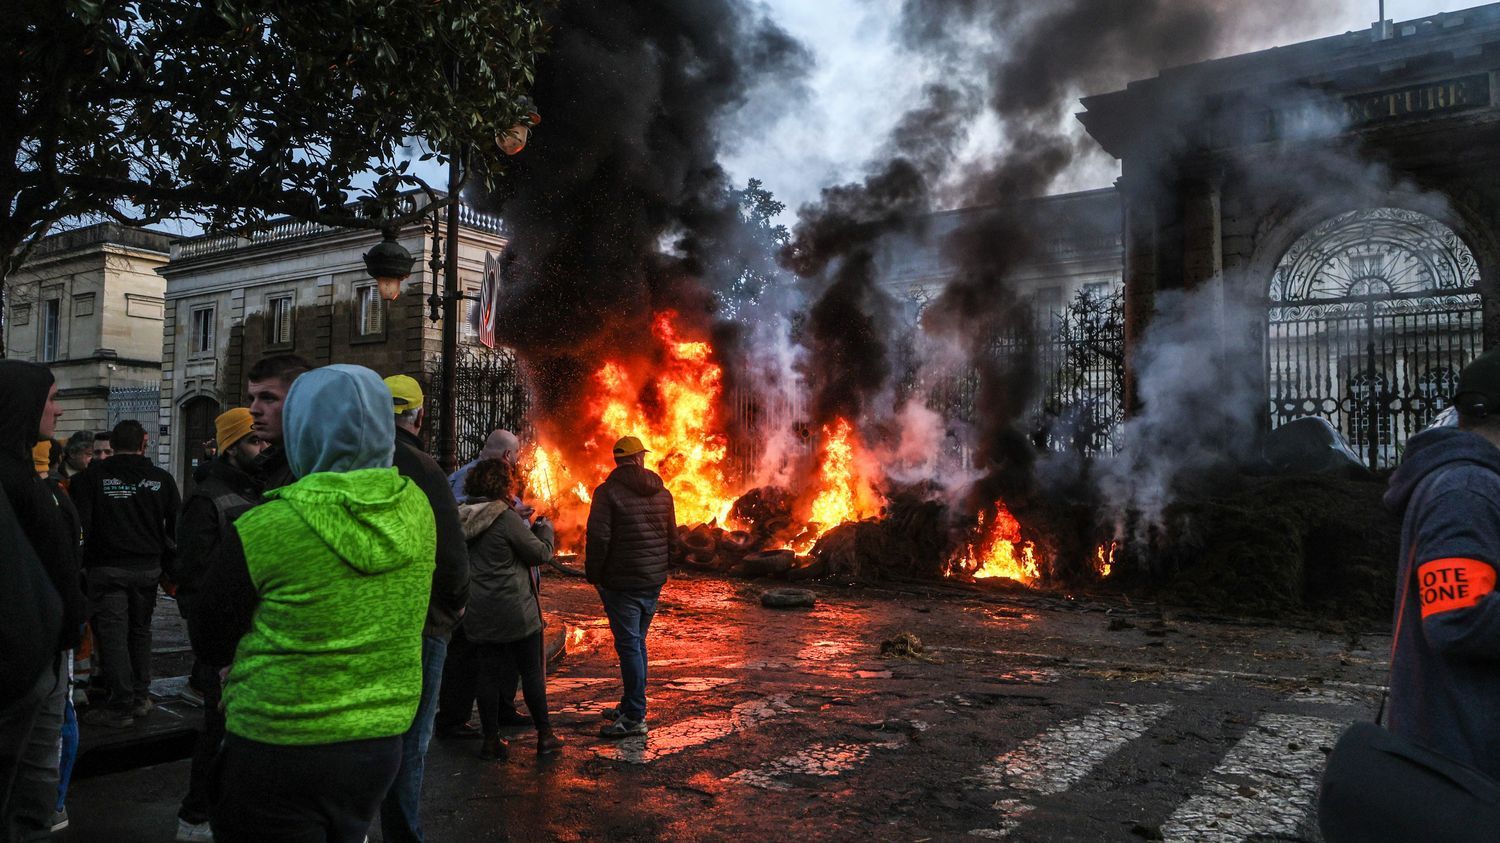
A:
(998, 550)
(842, 490)
(685, 433)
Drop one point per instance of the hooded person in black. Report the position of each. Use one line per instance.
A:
(631, 530)
(1445, 674)
(24, 393)
(31, 724)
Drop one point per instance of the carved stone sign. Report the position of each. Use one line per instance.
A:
(1420, 100)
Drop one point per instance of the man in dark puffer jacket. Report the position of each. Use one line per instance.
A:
(632, 527)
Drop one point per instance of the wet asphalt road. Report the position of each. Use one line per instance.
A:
(1026, 718)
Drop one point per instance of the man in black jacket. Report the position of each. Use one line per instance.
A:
(31, 706)
(400, 819)
(269, 381)
(631, 529)
(128, 507)
(229, 487)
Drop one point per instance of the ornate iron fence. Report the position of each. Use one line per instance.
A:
(141, 403)
(490, 394)
(1076, 359)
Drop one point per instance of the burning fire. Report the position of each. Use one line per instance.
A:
(1104, 559)
(672, 407)
(999, 551)
(845, 494)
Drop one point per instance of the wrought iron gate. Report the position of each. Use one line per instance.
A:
(1371, 316)
(1077, 356)
(490, 394)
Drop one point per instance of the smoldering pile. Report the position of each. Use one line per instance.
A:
(910, 539)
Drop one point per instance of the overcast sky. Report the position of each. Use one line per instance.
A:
(862, 83)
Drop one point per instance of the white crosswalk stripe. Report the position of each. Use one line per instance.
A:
(1060, 757)
(823, 760)
(1264, 786)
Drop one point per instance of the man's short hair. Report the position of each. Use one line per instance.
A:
(128, 436)
(101, 436)
(282, 367)
(409, 417)
(80, 441)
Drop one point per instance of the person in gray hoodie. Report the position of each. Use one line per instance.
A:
(1445, 674)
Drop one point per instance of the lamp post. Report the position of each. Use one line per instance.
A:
(389, 263)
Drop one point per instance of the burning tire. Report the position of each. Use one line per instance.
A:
(769, 563)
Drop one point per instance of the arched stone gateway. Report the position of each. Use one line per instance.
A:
(1370, 316)
(1244, 172)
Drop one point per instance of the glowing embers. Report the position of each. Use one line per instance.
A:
(997, 550)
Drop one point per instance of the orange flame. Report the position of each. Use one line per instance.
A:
(673, 407)
(999, 551)
(1104, 559)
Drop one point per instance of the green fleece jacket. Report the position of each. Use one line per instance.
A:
(343, 566)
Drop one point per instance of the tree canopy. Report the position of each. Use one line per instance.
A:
(230, 111)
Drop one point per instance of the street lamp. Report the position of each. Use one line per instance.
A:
(389, 263)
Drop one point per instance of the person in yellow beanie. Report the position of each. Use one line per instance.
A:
(230, 485)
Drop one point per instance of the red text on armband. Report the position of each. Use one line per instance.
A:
(1448, 584)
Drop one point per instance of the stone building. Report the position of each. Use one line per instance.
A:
(88, 303)
(298, 288)
(1345, 192)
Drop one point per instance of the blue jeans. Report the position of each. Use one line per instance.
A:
(400, 811)
(69, 749)
(630, 614)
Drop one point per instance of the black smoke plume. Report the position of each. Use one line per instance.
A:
(616, 206)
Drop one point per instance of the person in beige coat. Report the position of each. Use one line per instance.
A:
(504, 616)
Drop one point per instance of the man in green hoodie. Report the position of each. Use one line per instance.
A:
(317, 599)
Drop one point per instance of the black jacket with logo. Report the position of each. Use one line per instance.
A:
(129, 511)
(632, 527)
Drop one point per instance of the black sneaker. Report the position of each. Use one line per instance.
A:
(459, 732)
(611, 714)
(623, 728)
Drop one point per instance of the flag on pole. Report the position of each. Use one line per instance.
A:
(489, 300)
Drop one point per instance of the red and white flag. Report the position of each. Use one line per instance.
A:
(489, 300)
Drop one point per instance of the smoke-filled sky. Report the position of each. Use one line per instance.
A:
(862, 83)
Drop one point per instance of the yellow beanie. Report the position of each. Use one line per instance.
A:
(231, 426)
(41, 456)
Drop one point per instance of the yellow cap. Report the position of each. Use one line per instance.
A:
(406, 392)
(231, 426)
(629, 446)
(41, 456)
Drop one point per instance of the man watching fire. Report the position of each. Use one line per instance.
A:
(631, 529)
(1445, 682)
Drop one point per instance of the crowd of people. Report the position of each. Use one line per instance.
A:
(345, 600)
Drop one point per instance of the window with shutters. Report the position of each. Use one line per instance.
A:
(51, 311)
(202, 337)
(279, 320)
(369, 312)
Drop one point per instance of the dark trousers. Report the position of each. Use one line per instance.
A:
(30, 737)
(122, 602)
(300, 794)
(400, 813)
(461, 684)
(525, 658)
(630, 614)
(195, 805)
